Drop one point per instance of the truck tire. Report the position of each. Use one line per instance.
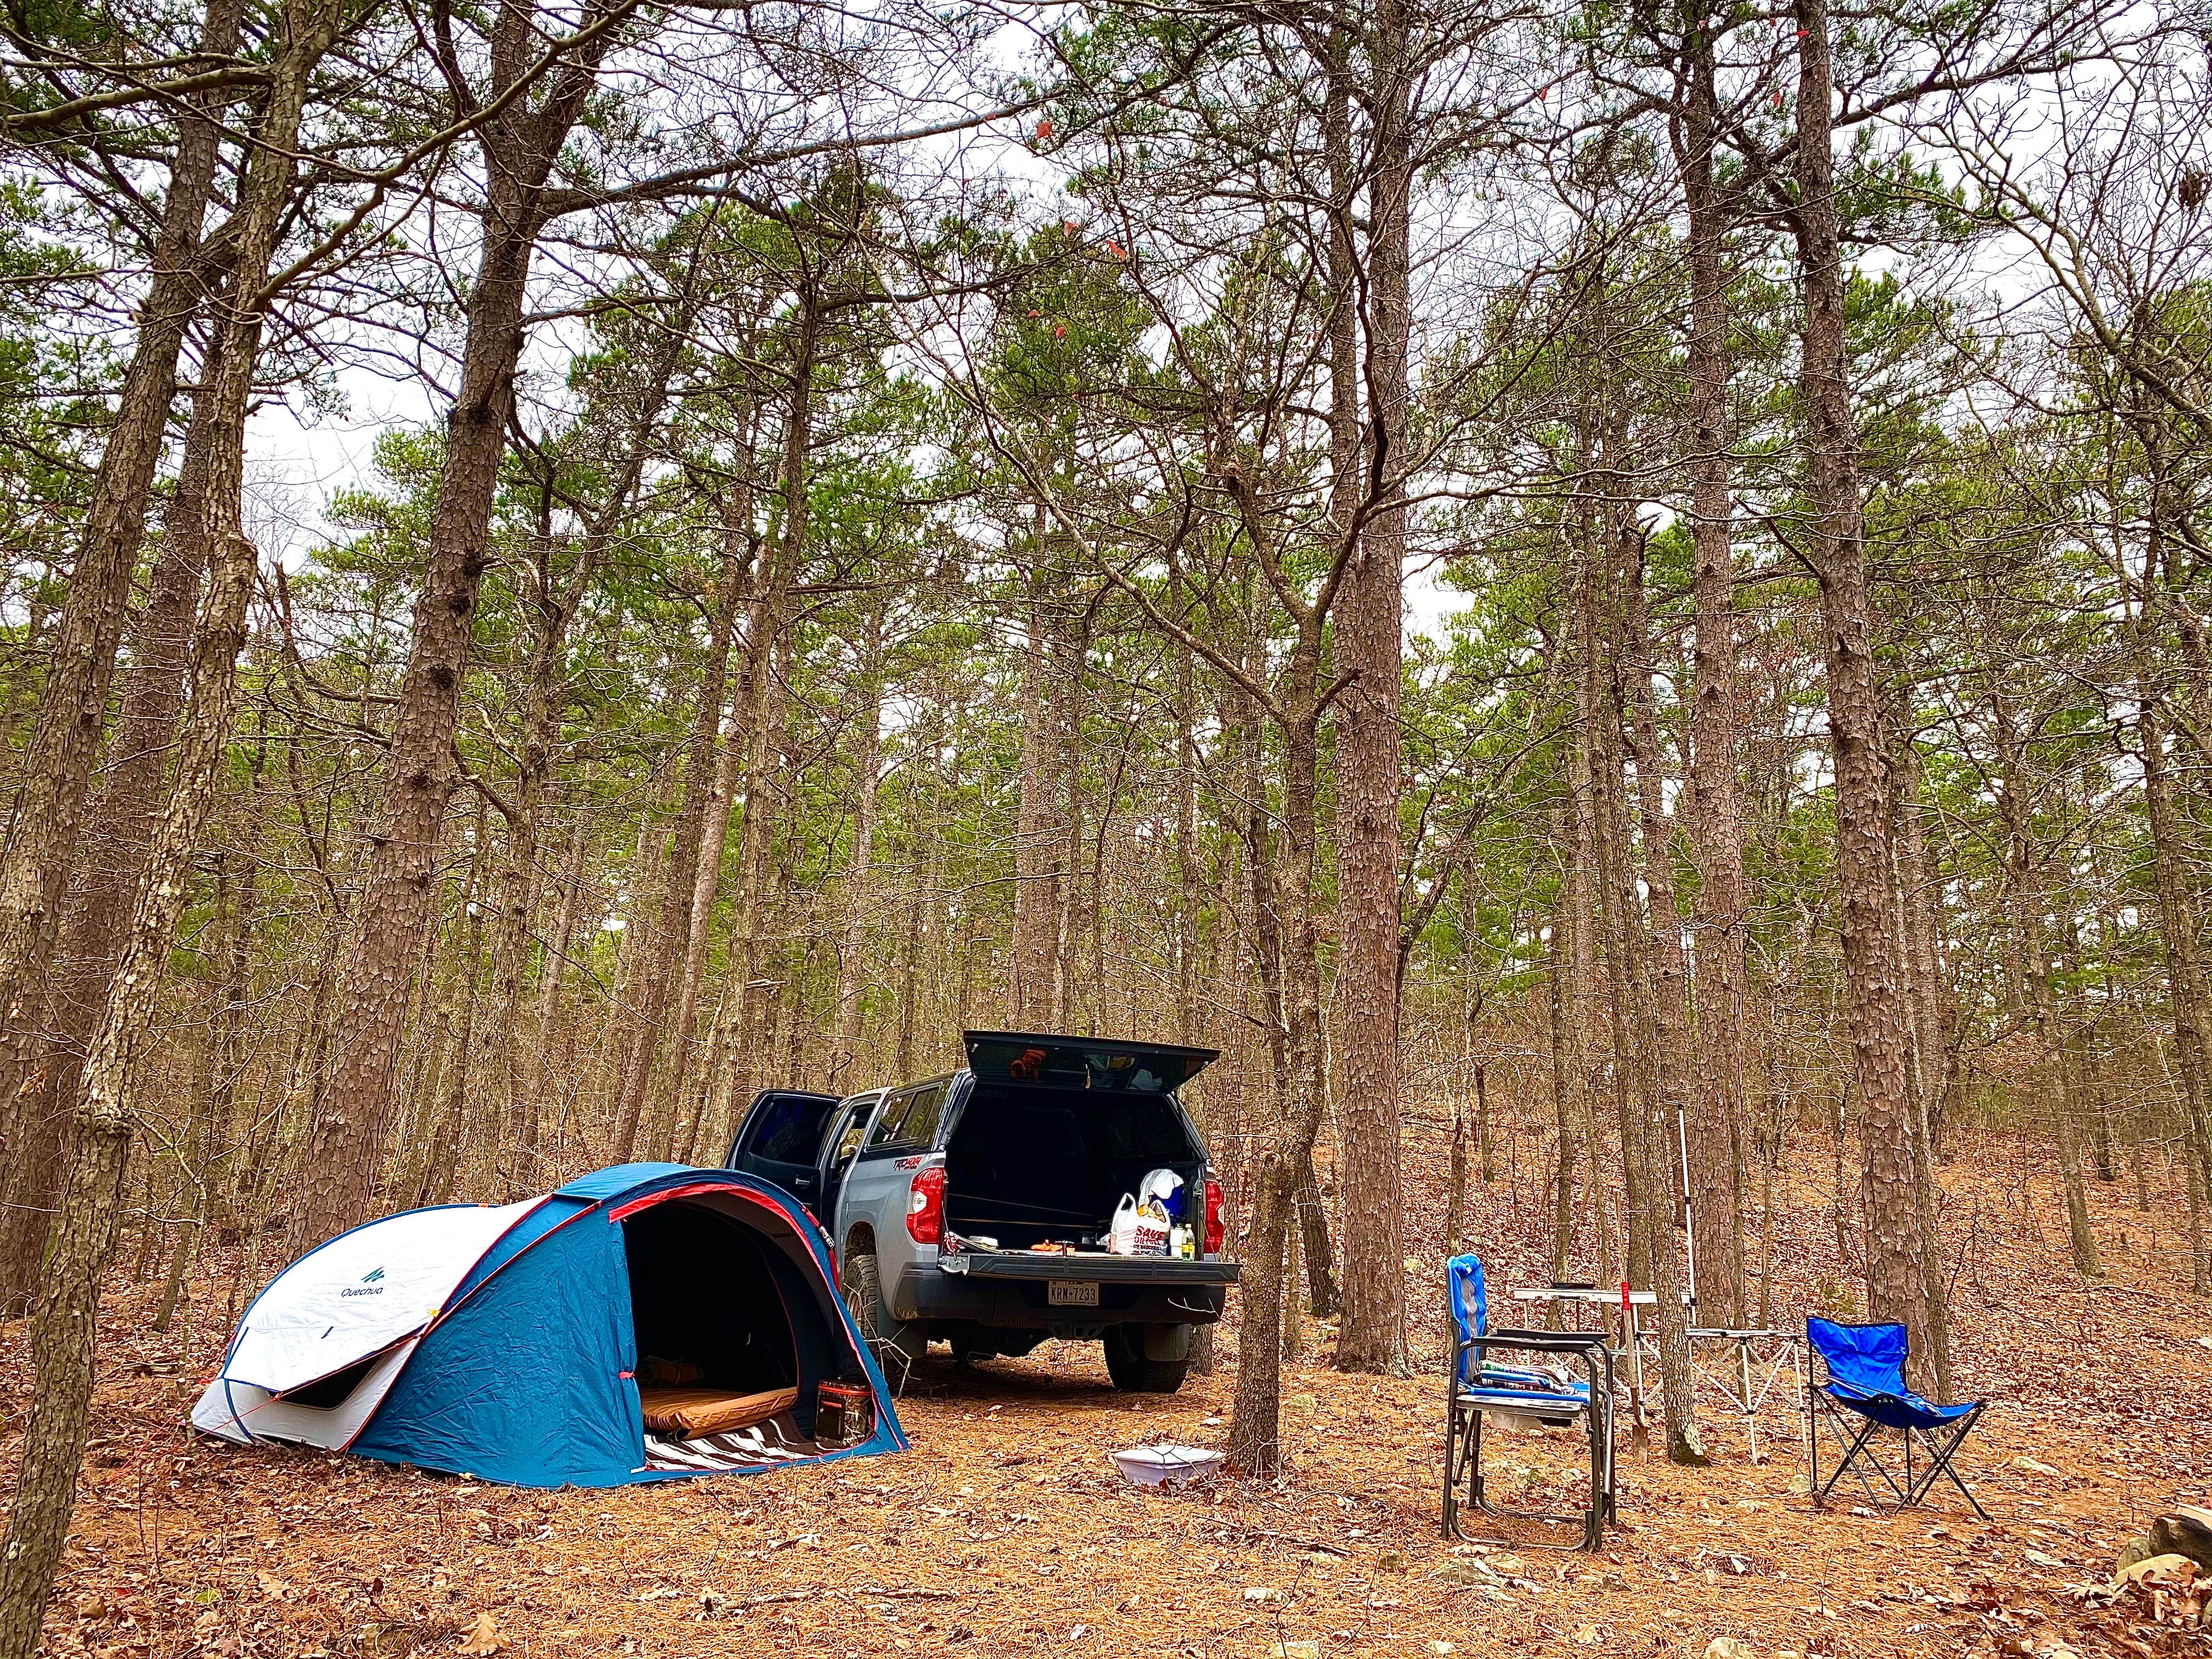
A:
(864, 1295)
(1133, 1372)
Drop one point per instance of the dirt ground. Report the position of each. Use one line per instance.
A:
(1005, 1532)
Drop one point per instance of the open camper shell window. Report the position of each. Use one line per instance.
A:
(1053, 1131)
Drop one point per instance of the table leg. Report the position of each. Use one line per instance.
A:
(1804, 1393)
(1750, 1407)
(1636, 1364)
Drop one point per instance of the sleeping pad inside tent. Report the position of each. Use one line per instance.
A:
(644, 1322)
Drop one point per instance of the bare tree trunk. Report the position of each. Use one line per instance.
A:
(1599, 787)
(221, 1176)
(1190, 891)
(118, 837)
(1588, 1039)
(204, 1149)
(2189, 996)
(1668, 969)
(1041, 837)
(1455, 1186)
(1323, 1297)
(1930, 1077)
(729, 1076)
(707, 886)
(57, 766)
(926, 903)
(1646, 987)
(1370, 635)
(445, 1154)
(1563, 1072)
(1255, 1429)
(867, 767)
(64, 1322)
(554, 607)
(521, 143)
(672, 932)
(525, 1126)
(1930, 1055)
(1897, 1281)
(1069, 684)
(1716, 1206)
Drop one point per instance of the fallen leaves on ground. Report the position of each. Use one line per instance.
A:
(1005, 1531)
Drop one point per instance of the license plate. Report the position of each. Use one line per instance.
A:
(1072, 1293)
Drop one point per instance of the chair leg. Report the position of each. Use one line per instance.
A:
(1944, 1469)
(1451, 1447)
(1939, 1454)
(1464, 1433)
(1462, 1465)
(1812, 1450)
(1474, 1462)
(1594, 1528)
(1605, 1453)
(1858, 1456)
(1454, 1464)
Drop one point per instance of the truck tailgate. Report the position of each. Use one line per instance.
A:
(1103, 1269)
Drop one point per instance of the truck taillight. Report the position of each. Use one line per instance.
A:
(925, 1205)
(1213, 1228)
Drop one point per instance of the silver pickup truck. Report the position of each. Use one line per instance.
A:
(973, 1209)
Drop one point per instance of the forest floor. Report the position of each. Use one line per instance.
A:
(1005, 1532)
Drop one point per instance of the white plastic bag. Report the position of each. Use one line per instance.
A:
(1165, 1186)
(1150, 1236)
(1138, 1229)
(1121, 1235)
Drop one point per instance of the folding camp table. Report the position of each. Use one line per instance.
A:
(1759, 1357)
(1747, 1376)
(1629, 1304)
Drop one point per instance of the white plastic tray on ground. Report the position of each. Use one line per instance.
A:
(1166, 1464)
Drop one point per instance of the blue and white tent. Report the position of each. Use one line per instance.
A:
(506, 1342)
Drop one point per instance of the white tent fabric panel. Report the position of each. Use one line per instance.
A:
(241, 1413)
(362, 1292)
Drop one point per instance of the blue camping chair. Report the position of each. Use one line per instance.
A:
(1865, 1378)
(1480, 1388)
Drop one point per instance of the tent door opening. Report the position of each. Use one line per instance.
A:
(723, 1373)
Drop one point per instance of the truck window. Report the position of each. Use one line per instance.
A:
(788, 1129)
(848, 1140)
(922, 1118)
(910, 1119)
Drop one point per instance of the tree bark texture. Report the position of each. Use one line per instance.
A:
(63, 1321)
(1647, 1066)
(672, 932)
(116, 839)
(1715, 1206)
(1897, 1287)
(58, 762)
(762, 715)
(1043, 833)
(867, 769)
(344, 1153)
(1370, 635)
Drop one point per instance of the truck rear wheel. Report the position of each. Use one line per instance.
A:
(1128, 1361)
(864, 1295)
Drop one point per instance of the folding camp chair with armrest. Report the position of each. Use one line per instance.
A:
(1865, 1378)
(1479, 1387)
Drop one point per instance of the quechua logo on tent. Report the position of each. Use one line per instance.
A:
(368, 1285)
